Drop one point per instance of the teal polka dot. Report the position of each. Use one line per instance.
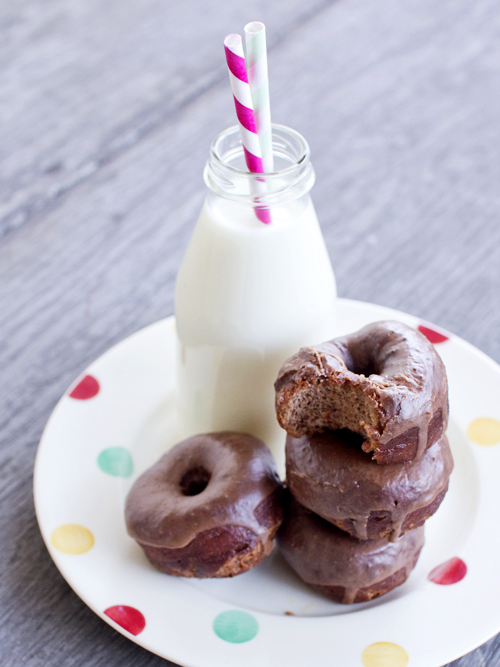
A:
(116, 461)
(235, 626)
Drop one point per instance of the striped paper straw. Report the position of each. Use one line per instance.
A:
(255, 40)
(235, 58)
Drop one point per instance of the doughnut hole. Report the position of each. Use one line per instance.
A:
(195, 481)
(363, 365)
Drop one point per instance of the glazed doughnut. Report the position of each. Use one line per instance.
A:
(385, 382)
(330, 475)
(210, 507)
(341, 567)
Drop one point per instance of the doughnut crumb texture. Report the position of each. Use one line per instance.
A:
(386, 382)
(210, 507)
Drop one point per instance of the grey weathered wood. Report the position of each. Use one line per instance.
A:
(107, 112)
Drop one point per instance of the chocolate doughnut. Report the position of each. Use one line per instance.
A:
(341, 567)
(385, 382)
(330, 474)
(210, 507)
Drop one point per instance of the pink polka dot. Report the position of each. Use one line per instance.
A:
(432, 335)
(450, 572)
(88, 387)
(129, 618)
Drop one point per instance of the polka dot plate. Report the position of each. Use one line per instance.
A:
(119, 417)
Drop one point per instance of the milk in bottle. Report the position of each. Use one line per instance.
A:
(249, 295)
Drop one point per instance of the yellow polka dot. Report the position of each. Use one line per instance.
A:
(484, 431)
(384, 654)
(72, 539)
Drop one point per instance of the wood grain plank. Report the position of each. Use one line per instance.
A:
(84, 82)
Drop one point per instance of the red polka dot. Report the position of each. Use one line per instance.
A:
(129, 618)
(433, 335)
(86, 388)
(450, 572)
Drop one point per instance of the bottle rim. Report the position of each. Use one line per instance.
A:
(269, 188)
(304, 153)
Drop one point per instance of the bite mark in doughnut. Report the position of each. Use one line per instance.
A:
(385, 382)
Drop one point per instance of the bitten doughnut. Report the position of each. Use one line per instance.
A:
(330, 474)
(210, 507)
(340, 566)
(385, 382)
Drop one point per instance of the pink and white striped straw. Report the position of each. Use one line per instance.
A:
(235, 58)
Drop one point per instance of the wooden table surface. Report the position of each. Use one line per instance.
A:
(108, 109)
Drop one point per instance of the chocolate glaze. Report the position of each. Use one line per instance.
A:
(324, 556)
(241, 476)
(385, 382)
(337, 593)
(380, 524)
(217, 552)
(330, 474)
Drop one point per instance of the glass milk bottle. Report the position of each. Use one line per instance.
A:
(248, 294)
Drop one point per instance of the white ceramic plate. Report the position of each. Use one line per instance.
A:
(121, 418)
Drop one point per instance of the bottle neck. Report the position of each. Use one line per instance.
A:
(226, 175)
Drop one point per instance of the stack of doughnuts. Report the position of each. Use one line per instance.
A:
(367, 461)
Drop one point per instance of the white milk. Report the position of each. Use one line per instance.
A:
(248, 296)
